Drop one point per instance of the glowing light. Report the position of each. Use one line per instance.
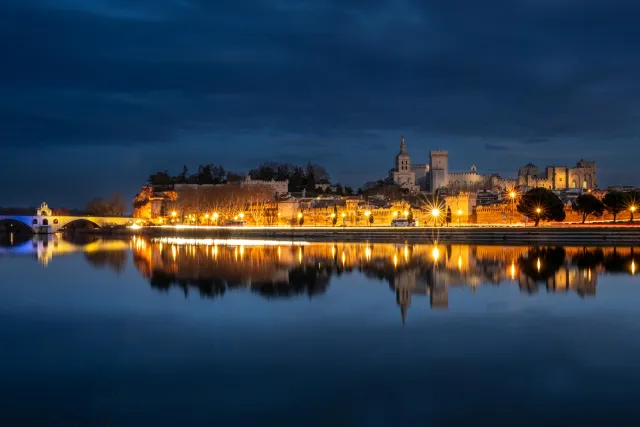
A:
(206, 216)
(406, 213)
(367, 253)
(513, 270)
(435, 253)
(459, 262)
(173, 252)
(135, 227)
(343, 214)
(406, 254)
(395, 214)
(215, 215)
(435, 212)
(395, 260)
(241, 252)
(538, 265)
(333, 214)
(344, 258)
(226, 242)
(512, 194)
(367, 214)
(538, 210)
(300, 255)
(278, 253)
(459, 212)
(241, 215)
(174, 213)
(632, 208)
(333, 251)
(299, 215)
(633, 267)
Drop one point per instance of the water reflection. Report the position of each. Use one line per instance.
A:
(280, 269)
(286, 269)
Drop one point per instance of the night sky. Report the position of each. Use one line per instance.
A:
(95, 95)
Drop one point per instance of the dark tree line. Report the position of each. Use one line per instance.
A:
(206, 174)
(299, 177)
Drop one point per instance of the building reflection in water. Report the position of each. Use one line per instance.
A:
(285, 269)
(280, 269)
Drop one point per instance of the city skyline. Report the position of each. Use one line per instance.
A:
(100, 94)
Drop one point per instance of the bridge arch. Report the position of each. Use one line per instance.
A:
(16, 225)
(63, 224)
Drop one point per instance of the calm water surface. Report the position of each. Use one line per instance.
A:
(196, 332)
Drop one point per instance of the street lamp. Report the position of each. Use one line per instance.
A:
(367, 214)
(632, 209)
(459, 215)
(395, 213)
(406, 214)
(215, 217)
(513, 195)
(435, 213)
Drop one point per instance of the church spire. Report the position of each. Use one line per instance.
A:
(403, 147)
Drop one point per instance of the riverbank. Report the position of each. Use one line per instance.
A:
(601, 234)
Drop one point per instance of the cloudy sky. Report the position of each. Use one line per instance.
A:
(97, 94)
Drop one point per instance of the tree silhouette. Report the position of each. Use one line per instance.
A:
(588, 204)
(541, 204)
(614, 202)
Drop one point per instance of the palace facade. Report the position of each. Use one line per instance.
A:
(435, 175)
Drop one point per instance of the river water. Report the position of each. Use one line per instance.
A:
(175, 332)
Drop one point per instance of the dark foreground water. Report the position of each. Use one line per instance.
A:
(195, 333)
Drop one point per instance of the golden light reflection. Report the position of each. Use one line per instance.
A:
(406, 254)
(279, 252)
(395, 260)
(367, 253)
(215, 252)
(344, 258)
(538, 265)
(633, 267)
(174, 252)
(300, 255)
(435, 253)
(513, 270)
(241, 252)
(459, 262)
(333, 251)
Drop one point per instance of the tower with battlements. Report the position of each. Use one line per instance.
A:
(439, 169)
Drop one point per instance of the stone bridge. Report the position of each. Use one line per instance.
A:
(43, 222)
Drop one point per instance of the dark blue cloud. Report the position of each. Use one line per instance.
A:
(188, 81)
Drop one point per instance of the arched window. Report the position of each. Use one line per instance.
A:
(34, 222)
(55, 221)
(45, 222)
